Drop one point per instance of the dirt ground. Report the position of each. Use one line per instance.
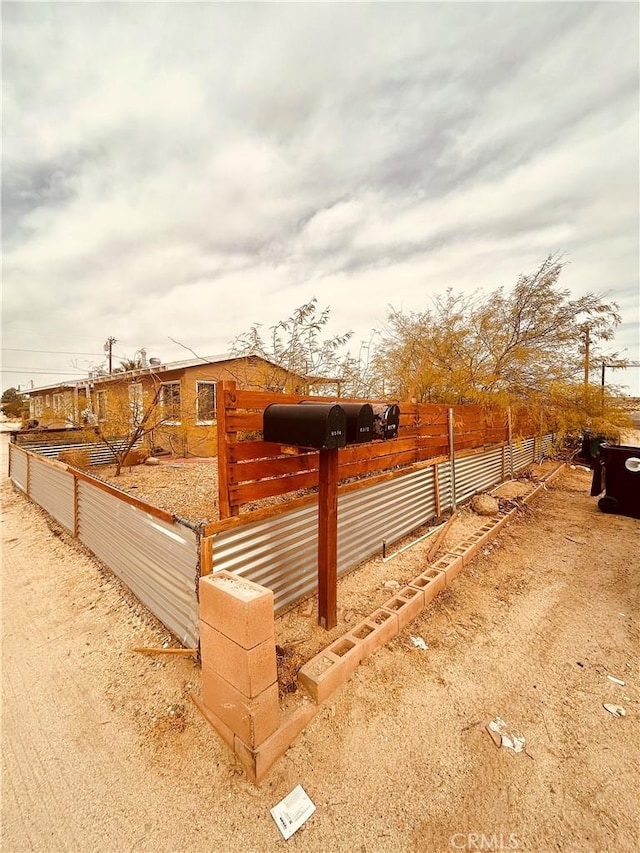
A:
(102, 749)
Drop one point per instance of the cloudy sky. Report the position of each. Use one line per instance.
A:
(183, 170)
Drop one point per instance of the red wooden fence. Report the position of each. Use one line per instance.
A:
(251, 469)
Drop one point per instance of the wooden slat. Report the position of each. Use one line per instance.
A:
(387, 451)
(356, 469)
(246, 451)
(374, 449)
(247, 492)
(246, 399)
(242, 472)
(222, 525)
(244, 421)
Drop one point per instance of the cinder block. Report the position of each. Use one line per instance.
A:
(406, 605)
(431, 582)
(323, 675)
(387, 626)
(365, 634)
(467, 549)
(248, 670)
(327, 671)
(450, 564)
(253, 720)
(257, 762)
(237, 608)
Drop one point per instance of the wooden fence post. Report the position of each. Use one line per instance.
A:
(206, 555)
(452, 457)
(225, 438)
(328, 539)
(510, 439)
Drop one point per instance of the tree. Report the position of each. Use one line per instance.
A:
(513, 344)
(295, 345)
(130, 363)
(13, 403)
(122, 431)
(132, 411)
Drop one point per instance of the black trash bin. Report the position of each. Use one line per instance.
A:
(617, 473)
(591, 444)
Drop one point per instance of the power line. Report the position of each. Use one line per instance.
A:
(50, 351)
(36, 370)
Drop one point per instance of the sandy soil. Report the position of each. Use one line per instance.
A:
(102, 750)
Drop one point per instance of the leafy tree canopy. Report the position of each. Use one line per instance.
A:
(13, 403)
(515, 343)
(298, 344)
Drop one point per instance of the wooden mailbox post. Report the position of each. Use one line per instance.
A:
(328, 539)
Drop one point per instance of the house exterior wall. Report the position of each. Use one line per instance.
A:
(114, 401)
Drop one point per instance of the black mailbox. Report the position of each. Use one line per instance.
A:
(321, 426)
(386, 420)
(359, 419)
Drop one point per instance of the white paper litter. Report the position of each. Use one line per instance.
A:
(616, 680)
(616, 710)
(509, 740)
(419, 643)
(290, 813)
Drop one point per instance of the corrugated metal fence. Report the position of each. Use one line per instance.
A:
(158, 559)
(99, 453)
(280, 552)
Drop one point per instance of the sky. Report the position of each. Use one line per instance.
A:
(176, 172)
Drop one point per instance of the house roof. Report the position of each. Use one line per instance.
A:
(165, 368)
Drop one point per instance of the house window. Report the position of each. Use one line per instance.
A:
(101, 405)
(58, 403)
(170, 401)
(38, 407)
(135, 402)
(47, 401)
(205, 402)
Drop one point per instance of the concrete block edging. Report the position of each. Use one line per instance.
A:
(326, 672)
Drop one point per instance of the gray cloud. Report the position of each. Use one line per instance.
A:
(188, 169)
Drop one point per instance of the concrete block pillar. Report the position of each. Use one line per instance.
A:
(237, 645)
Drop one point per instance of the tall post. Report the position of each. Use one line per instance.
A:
(108, 348)
(602, 388)
(510, 438)
(328, 539)
(587, 364)
(452, 457)
(226, 437)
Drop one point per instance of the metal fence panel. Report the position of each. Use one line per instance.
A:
(477, 472)
(52, 488)
(18, 467)
(444, 485)
(99, 453)
(158, 561)
(523, 453)
(387, 511)
(281, 552)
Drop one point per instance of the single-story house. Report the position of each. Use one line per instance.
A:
(177, 399)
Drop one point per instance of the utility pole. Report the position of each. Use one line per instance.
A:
(587, 346)
(108, 347)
